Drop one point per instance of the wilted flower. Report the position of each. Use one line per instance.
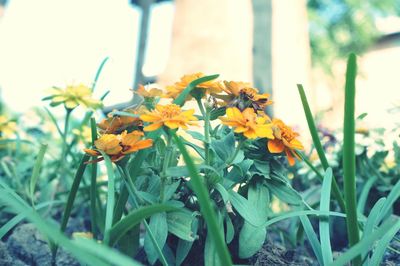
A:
(7, 127)
(248, 123)
(169, 115)
(242, 95)
(285, 141)
(116, 124)
(151, 93)
(73, 96)
(209, 86)
(117, 146)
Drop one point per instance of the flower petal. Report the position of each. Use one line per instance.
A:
(275, 146)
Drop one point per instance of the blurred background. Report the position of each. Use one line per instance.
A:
(275, 44)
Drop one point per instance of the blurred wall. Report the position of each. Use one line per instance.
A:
(291, 59)
(211, 37)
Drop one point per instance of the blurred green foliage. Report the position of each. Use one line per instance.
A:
(339, 27)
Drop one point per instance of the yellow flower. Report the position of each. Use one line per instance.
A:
(116, 124)
(73, 96)
(85, 133)
(173, 91)
(7, 127)
(151, 93)
(285, 141)
(117, 146)
(242, 95)
(248, 123)
(168, 115)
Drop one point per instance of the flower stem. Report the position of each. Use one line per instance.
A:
(166, 162)
(64, 136)
(206, 117)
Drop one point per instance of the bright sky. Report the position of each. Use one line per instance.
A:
(54, 42)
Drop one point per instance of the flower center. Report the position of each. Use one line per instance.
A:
(170, 111)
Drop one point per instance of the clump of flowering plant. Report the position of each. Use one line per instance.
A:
(144, 144)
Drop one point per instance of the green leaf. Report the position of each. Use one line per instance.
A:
(230, 230)
(318, 145)
(159, 227)
(74, 189)
(86, 251)
(383, 244)
(222, 191)
(180, 224)
(134, 218)
(98, 72)
(21, 216)
(196, 135)
(245, 209)
(225, 147)
(183, 247)
(312, 238)
(391, 199)
(258, 197)
(367, 242)
(349, 157)
(284, 192)
(220, 111)
(251, 239)
(36, 171)
(324, 230)
(180, 100)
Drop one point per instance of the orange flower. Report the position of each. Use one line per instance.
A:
(151, 93)
(168, 115)
(209, 86)
(248, 123)
(242, 95)
(285, 141)
(117, 146)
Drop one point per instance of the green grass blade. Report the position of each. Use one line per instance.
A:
(292, 214)
(54, 120)
(312, 238)
(366, 243)
(383, 244)
(90, 252)
(180, 100)
(96, 78)
(110, 197)
(364, 194)
(93, 181)
(349, 158)
(324, 230)
(318, 145)
(135, 217)
(390, 200)
(73, 191)
(372, 220)
(205, 204)
(21, 216)
(36, 172)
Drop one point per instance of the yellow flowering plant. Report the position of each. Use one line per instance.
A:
(195, 173)
(170, 161)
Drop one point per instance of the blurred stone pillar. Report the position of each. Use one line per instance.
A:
(291, 59)
(213, 37)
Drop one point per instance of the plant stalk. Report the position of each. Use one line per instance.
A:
(349, 158)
